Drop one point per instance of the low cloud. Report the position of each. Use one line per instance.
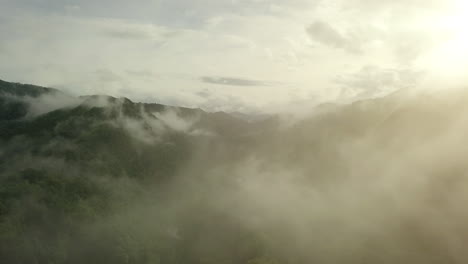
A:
(334, 183)
(50, 102)
(44, 103)
(172, 120)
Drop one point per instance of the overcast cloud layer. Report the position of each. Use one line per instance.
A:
(238, 55)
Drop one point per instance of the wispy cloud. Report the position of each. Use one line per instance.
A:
(234, 81)
(325, 34)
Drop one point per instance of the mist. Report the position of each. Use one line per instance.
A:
(233, 131)
(109, 180)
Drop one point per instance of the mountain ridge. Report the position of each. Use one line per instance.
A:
(101, 179)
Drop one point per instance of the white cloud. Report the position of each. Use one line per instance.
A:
(372, 81)
(296, 44)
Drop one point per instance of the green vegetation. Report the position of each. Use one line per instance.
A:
(71, 180)
(107, 180)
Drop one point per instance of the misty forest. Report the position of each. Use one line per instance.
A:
(233, 132)
(98, 179)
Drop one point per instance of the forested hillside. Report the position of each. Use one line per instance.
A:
(98, 179)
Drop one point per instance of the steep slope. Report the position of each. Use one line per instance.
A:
(84, 161)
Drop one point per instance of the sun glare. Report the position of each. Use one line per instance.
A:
(450, 54)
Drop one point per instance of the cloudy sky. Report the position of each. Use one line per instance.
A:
(238, 55)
